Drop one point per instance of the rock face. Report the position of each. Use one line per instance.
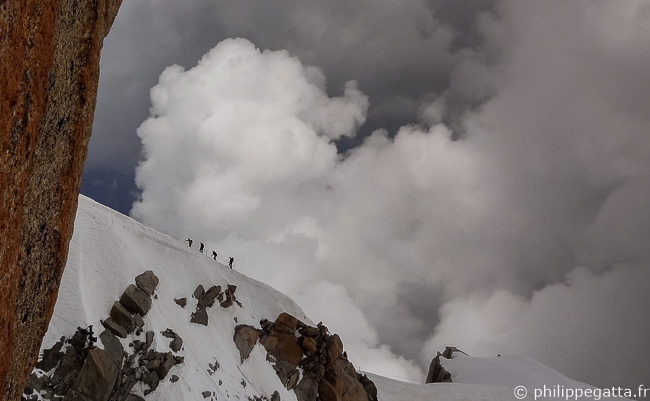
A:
(291, 345)
(49, 74)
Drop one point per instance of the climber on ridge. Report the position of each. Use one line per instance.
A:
(230, 262)
(201, 247)
(189, 241)
(214, 255)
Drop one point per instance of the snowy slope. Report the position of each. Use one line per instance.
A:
(108, 250)
(106, 253)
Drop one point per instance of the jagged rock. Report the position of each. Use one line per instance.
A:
(173, 379)
(245, 337)
(206, 394)
(118, 330)
(436, 373)
(133, 397)
(322, 329)
(292, 379)
(181, 359)
(147, 282)
(231, 288)
(148, 340)
(166, 365)
(286, 322)
(206, 300)
(369, 386)
(176, 344)
(71, 358)
(284, 348)
(51, 356)
(97, 376)
(168, 333)
(153, 364)
(122, 317)
(334, 348)
(139, 322)
(309, 331)
(198, 292)
(327, 374)
(138, 346)
(152, 380)
(200, 317)
(213, 367)
(113, 346)
(79, 340)
(136, 300)
(226, 303)
(275, 396)
(309, 345)
(352, 389)
(182, 302)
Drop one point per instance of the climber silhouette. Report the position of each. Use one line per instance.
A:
(201, 247)
(214, 255)
(230, 262)
(189, 241)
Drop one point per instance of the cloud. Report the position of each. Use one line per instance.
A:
(228, 140)
(599, 317)
(540, 207)
(398, 51)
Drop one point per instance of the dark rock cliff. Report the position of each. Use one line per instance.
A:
(48, 86)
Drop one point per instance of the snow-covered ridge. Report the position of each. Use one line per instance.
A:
(108, 250)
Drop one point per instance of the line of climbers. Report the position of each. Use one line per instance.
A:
(214, 253)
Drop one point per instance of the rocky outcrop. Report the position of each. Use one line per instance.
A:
(245, 338)
(436, 373)
(126, 314)
(207, 299)
(307, 359)
(76, 370)
(49, 74)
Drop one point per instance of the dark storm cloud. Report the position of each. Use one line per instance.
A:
(398, 52)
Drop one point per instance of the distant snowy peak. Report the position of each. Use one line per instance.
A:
(527, 377)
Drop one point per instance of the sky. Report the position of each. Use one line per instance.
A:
(413, 173)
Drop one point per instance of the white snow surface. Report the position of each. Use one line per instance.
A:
(108, 250)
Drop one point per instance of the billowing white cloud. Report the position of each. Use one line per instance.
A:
(418, 237)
